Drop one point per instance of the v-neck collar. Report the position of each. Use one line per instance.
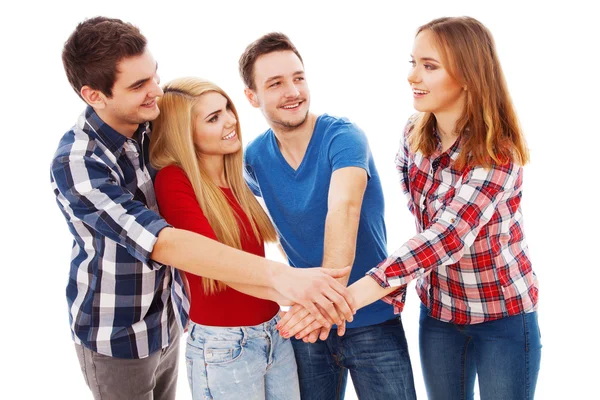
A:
(284, 164)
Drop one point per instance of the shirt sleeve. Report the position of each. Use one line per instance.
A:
(178, 204)
(250, 178)
(454, 227)
(349, 147)
(89, 192)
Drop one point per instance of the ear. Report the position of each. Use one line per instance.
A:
(252, 97)
(94, 98)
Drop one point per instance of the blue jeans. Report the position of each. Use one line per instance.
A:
(504, 354)
(376, 355)
(249, 363)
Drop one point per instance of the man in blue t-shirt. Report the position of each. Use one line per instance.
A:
(318, 180)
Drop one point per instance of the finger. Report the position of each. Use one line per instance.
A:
(313, 336)
(341, 329)
(328, 307)
(300, 326)
(314, 311)
(324, 333)
(297, 315)
(308, 330)
(343, 299)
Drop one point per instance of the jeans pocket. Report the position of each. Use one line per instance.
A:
(222, 352)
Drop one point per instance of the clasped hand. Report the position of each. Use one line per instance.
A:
(301, 324)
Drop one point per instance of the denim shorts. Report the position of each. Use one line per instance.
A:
(248, 362)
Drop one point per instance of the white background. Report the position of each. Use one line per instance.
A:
(356, 56)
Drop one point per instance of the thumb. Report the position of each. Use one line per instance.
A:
(337, 272)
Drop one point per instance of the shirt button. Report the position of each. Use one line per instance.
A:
(452, 220)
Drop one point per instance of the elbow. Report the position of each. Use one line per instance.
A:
(162, 246)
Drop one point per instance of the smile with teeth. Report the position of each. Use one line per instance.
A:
(418, 91)
(230, 136)
(291, 106)
(149, 103)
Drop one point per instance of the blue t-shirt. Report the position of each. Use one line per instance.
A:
(297, 199)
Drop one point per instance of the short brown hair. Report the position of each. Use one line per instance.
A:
(269, 43)
(92, 52)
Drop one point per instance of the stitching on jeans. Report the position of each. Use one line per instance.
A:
(526, 333)
(338, 390)
(464, 363)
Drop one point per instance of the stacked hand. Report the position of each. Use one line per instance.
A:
(301, 324)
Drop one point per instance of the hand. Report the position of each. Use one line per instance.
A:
(319, 333)
(296, 320)
(310, 287)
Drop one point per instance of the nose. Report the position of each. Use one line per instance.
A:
(232, 120)
(156, 90)
(291, 90)
(413, 76)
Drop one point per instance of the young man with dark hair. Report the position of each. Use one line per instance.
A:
(318, 180)
(126, 303)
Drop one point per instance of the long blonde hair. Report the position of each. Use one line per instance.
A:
(173, 144)
(489, 128)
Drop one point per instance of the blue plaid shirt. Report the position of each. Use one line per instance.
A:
(120, 301)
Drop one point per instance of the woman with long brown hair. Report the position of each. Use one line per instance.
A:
(461, 165)
(233, 350)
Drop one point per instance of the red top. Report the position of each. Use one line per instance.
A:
(178, 205)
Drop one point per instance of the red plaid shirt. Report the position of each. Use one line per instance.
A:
(470, 255)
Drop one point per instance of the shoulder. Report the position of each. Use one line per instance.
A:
(170, 178)
(334, 127)
(257, 146)
(171, 173)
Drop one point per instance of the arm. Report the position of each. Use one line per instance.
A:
(454, 227)
(299, 323)
(344, 202)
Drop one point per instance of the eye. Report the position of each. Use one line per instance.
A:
(430, 67)
(412, 62)
(274, 84)
(300, 78)
(214, 119)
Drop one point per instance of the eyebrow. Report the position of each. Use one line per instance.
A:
(300, 72)
(141, 81)
(426, 59)
(209, 116)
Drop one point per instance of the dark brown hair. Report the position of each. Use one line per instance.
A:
(489, 128)
(269, 43)
(92, 52)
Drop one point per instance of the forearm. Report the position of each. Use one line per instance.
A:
(341, 229)
(366, 291)
(199, 255)
(262, 292)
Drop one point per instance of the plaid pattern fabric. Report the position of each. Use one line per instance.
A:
(119, 300)
(470, 255)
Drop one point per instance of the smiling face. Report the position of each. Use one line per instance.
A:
(281, 90)
(215, 126)
(434, 90)
(134, 94)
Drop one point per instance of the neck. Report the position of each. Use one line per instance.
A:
(126, 129)
(446, 127)
(296, 139)
(214, 167)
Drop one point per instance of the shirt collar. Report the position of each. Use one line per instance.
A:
(113, 140)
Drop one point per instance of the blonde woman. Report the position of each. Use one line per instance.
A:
(233, 349)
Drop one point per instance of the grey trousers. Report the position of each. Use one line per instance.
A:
(150, 378)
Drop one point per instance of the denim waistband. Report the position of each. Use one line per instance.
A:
(259, 330)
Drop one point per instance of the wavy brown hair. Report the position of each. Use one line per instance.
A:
(173, 144)
(488, 128)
